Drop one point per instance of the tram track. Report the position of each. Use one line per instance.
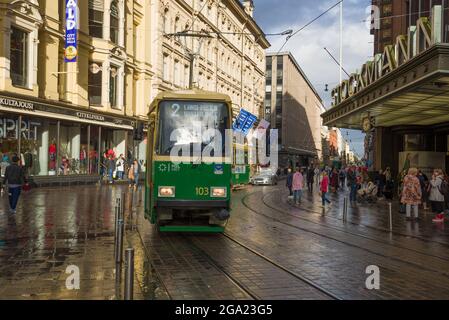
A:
(232, 279)
(278, 266)
(342, 241)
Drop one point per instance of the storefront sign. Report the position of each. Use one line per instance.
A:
(89, 116)
(405, 49)
(71, 34)
(13, 103)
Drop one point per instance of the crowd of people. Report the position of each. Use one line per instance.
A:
(413, 186)
(115, 167)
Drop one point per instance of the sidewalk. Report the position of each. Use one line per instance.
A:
(56, 228)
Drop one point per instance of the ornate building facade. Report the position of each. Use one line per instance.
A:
(229, 59)
(60, 117)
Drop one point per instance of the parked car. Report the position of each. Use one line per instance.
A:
(264, 177)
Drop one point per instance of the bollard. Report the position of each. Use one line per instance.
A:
(345, 208)
(391, 217)
(129, 274)
(116, 229)
(119, 242)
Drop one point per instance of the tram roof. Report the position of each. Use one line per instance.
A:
(192, 94)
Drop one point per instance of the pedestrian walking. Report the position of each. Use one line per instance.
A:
(424, 183)
(120, 167)
(334, 180)
(317, 176)
(133, 174)
(297, 186)
(342, 178)
(352, 184)
(310, 178)
(111, 169)
(435, 196)
(380, 182)
(14, 179)
(324, 187)
(411, 194)
(289, 181)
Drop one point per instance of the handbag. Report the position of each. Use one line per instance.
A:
(26, 187)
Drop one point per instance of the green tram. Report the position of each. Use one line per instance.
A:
(188, 194)
(240, 168)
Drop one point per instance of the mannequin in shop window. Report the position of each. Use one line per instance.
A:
(93, 158)
(83, 159)
(52, 154)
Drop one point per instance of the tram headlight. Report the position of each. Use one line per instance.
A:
(166, 192)
(218, 192)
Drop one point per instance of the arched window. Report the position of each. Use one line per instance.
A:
(114, 22)
(96, 8)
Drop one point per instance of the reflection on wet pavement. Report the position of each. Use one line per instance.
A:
(53, 229)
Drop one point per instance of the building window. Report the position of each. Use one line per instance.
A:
(96, 9)
(186, 76)
(165, 68)
(113, 76)
(19, 57)
(114, 22)
(94, 86)
(176, 73)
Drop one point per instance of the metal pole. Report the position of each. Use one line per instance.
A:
(344, 209)
(391, 216)
(192, 60)
(119, 242)
(116, 208)
(341, 42)
(129, 274)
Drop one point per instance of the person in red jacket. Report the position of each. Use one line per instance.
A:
(324, 188)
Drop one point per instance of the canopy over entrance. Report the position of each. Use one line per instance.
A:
(415, 93)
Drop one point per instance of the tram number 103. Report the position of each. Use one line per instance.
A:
(202, 191)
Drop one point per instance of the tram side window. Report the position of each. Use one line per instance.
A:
(187, 123)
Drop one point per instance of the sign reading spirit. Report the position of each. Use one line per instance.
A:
(419, 38)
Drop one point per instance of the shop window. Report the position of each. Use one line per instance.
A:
(113, 83)
(114, 22)
(19, 57)
(96, 9)
(9, 142)
(93, 152)
(95, 80)
(72, 155)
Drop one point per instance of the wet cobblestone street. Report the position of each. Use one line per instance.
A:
(271, 250)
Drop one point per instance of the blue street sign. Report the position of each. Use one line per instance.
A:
(71, 33)
(244, 122)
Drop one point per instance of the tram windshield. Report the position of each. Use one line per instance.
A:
(188, 123)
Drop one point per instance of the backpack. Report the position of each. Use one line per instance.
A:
(444, 188)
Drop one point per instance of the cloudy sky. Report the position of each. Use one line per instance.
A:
(308, 45)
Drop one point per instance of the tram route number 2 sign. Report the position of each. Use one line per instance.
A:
(244, 122)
